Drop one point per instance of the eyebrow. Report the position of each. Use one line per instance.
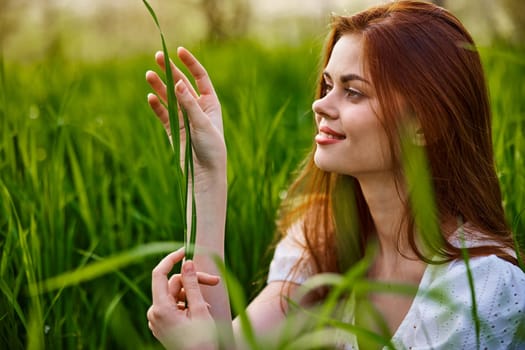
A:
(347, 77)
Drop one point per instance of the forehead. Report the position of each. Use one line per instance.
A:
(347, 56)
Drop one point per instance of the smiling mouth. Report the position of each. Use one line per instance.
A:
(327, 136)
(332, 136)
(328, 133)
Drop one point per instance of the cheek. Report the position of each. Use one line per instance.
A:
(370, 140)
(385, 149)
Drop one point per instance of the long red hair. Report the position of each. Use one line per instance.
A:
(422, 53)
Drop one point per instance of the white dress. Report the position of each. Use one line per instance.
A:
(441, 314)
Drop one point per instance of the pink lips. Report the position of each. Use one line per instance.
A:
(327, 136)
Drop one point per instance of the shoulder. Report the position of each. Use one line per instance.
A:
(488, 280)
(292, 261)
(483, 269)
(485, 293)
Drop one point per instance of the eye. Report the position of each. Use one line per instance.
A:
(327, 87)
(354, 93)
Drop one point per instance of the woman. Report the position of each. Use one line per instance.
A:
(405, 69)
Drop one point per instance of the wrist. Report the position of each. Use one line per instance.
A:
(211, 182)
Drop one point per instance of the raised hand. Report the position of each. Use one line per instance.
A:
(203, 109)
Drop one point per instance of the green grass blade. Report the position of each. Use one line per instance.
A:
(187, 155)
(181, 177)
(152, 13)
(100, 268)
(345, 286)
(126, 280)
(475, 316)
(517, 243)
(239, 304)
(172, 101)
(12, 302)
(189, 171)
(421, 194)
(319, 337)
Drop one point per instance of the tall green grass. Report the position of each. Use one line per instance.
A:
(86, 179)
(505, 70)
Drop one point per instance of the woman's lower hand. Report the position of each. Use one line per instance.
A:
(179, 317)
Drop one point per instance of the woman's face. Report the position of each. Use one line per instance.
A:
(350, 138)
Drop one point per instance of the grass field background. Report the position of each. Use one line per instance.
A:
(85, 175)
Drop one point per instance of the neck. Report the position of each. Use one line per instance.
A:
(395, 260)
(386, 203)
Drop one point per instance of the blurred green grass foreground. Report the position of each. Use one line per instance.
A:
(86, 170)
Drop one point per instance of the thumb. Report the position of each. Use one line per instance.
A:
(196, 304)
(198, 118)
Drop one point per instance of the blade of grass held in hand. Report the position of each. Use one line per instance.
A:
(188, 165)
(172, 103)
(173, 112)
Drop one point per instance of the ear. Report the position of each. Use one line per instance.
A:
(418, 137)
(412, 129)
(414, 132)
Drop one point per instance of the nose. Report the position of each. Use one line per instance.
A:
(324, 107)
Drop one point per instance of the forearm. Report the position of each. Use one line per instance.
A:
(210, 200)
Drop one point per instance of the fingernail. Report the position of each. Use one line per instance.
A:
(188, 267)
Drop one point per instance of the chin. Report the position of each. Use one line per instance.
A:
(325, 164)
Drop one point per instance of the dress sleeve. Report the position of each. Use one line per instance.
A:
(442, 313)
(290, 254)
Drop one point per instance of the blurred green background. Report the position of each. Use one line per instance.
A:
(86, 170)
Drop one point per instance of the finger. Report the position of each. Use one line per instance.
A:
(208, 279)
(175, 72)
(199, 119)
(159, 280)
(160, 111)
(156, 83)
(197, 70)
(176, 290)
(175, 287)
(196, 304)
